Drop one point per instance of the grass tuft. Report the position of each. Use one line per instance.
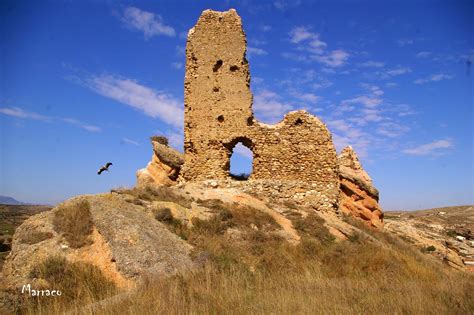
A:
(74, 221)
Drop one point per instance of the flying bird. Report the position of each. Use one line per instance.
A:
(104, 168)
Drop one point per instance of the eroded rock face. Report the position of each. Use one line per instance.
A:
(298, 153)
(164, 167)
(126, 243)
(358, 196)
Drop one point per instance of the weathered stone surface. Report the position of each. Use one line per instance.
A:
(164, 167)
(126, 243)
(349, 164)
(218, 115)
(358, 197)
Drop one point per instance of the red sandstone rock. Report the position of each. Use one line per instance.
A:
(358, 197)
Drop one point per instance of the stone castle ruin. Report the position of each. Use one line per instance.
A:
(294, 160)
(296, 155)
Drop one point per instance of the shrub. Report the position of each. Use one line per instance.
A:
(74, 221)
(430, 248)
(163, 215)
(313, 226)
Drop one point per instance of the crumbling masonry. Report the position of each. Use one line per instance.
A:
(293, 159)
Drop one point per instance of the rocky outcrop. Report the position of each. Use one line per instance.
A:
(358, 196)
(164, 167)
(126, 243)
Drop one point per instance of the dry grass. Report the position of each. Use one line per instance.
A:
(32, 237)
(260, 273)
(79, 283)
(75, 223)
(347, 277)
(158, 193)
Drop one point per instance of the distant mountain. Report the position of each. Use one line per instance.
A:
(5, 200)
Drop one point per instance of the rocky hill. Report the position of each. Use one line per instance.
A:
(446, 233)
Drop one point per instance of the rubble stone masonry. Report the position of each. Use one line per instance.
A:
(294, 159)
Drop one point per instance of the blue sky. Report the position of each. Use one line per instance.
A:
(85, 82)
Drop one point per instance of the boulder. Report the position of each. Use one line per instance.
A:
(125, 243)
(358, 196)
(164, 167)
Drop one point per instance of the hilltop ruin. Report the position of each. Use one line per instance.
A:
(295, 157)
(294, 160)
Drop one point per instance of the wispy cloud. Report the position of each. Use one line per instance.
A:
(345, 133)
(177, 65)
(269, 107)
(404, 42)
(367, 101)
(306, 97)
(334, 58)
(149, 23)
(398, 71)
(372, 64)
(256, 51)
(391, 129)
(153, 103)
(243, 151)
(423, 54)
(130, 141)
(283, 5)
(23, 114)
(80, 124)
(310, 42)
(434, 78)
(433, 148)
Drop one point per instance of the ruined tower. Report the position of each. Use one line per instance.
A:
(294, 159)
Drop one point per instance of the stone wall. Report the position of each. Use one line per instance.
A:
(296, 154)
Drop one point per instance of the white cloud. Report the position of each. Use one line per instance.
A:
(23, 114)
(372, 64)
(80, 124)
(265, 28)
(391, 129)
(130, 141)
(256, 51)
(20, 113)
(307, 97)
(404, 42)
(431, 148)
(364, 100)
(434, 78)
(151, 102)
(310, 42)
(176, 139)
(283, 5)
(391, 84)
(300, 33)
(423, 54)
(398, 71)
(375, 90)
(345, 134)
(269, 107)
(243, 151)
(149, 23)
(335, 58)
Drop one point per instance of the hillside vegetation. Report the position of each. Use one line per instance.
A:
(246, 267)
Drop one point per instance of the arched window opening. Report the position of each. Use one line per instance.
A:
(241, 162)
